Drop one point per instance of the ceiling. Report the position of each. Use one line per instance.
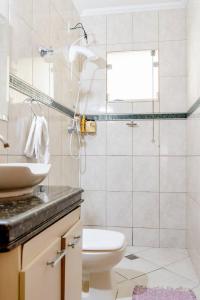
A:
(96, 7)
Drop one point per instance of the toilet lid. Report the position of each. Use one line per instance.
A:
(102, 240)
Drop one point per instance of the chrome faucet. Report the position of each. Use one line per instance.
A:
(4, 142)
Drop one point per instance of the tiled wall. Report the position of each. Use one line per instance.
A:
(35, 23)
(131, 184)
(193, 130)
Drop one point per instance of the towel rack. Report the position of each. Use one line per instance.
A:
(24, 88)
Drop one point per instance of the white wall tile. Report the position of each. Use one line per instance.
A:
(21, 47)
(146, 138)
(18, 126)
(145, 27)
(4, 8)
(70, 171)
(172, 174)
(55, 175)
(172, 58)
(119, 209)
(23, 9)
(94, 208)
(146, 210)
(93, 97)
(93, 176)
(146, 174)
(173, 137)
(41, 68)
(17, 159)
(193, 129)
(132, 46)
(95, 144)
(55, 126)
(119, 29)
(173, 94)
(4, 133)
(193, 231)
(126, 231)
(172, 210)
(114, 107)
(172, 25)
(96, 28)
(119, 138)
(193, 48)
(119, 173)
(41, 14)
(193, 177)
(146, 237)
(145, 107)
(171, 238)
(3, 159)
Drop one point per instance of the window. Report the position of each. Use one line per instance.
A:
(132, 75)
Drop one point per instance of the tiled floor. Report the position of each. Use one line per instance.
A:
(155, 267)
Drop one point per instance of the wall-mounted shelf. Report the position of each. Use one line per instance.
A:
(24, 88)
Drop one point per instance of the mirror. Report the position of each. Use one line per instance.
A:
(132, 76)
(4, 68)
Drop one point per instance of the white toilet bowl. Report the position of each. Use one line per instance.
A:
(102, 250)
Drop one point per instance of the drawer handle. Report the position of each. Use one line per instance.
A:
(75, 241)
(60, 254)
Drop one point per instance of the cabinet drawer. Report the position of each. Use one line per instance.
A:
(38, 244)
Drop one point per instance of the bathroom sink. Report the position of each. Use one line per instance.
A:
(20, 178)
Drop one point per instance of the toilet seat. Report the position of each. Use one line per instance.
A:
(102, 240)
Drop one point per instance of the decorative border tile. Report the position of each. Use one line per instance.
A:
(193, 108)
(121, 117)
(26, 89)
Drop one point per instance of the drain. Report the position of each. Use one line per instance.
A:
(131, 256)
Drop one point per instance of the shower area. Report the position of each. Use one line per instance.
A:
(134, 168)
(140, 171)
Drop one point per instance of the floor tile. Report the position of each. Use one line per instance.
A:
(134, 268)
(134, 249)
(119, 278)
(197, 292)
(159, 278)
(125, 290)
(163, 256)
(184, 268)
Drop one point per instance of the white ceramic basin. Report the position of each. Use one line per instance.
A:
(20, 178)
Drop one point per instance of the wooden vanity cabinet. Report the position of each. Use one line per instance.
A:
(49, 265)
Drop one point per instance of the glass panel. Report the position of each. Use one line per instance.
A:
(132, 75)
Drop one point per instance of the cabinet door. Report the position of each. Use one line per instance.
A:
(41, 280)
(72, 263)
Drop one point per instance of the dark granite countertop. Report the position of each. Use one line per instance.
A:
(24, 217)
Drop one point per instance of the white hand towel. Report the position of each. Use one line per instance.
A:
(37, 145)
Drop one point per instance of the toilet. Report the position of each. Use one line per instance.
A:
(101, 251)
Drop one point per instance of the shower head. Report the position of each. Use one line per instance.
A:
(75, 51)
(80, 26)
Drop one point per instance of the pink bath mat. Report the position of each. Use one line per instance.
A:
(141, 293)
